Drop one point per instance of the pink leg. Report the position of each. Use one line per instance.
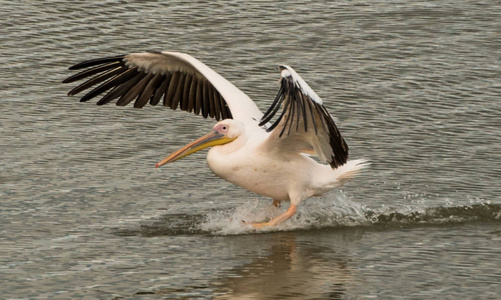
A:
(286, 215)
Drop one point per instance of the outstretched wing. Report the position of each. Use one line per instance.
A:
(304, 126)
(175, 79)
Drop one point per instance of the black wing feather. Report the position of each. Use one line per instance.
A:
(96, 61)
(126, 82)
(121, 78)
(303, 111)
(160, 90)
(92, 71)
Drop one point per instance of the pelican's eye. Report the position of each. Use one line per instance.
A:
(222, 128)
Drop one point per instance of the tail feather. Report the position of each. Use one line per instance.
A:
(328, 179)
(350, 169)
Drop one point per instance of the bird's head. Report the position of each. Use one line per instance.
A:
(222, 133)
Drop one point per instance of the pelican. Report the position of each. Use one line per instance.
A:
(269, 154)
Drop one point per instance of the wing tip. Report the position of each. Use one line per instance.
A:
(96, 61)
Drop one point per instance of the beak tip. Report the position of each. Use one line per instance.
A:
(156, 166)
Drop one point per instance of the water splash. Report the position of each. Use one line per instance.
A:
(335, 211)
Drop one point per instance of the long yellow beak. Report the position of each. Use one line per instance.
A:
(213, 138)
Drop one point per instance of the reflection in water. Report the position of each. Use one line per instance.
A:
(309, 264)
(294, 268)
(298, 265)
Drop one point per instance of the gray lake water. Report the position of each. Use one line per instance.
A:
(415, 87)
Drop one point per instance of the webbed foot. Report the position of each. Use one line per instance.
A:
(286, 215)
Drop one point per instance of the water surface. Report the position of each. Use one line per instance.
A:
(415, 87)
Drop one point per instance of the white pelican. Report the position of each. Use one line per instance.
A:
(270, 158)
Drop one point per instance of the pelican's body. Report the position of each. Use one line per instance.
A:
(287, 177)
(270, 159)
